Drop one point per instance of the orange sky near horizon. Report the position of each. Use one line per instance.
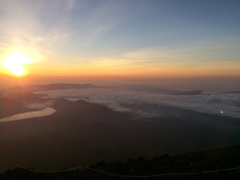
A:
(124, 70)
(116, 39)
(149, 72)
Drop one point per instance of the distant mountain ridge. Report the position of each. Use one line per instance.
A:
(234, 92)
(163, 91)
(61, 86)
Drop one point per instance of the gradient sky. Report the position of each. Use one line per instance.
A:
(148, 38)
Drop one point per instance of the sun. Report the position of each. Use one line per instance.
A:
(14, 63)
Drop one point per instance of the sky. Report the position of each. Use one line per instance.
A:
(137, 38)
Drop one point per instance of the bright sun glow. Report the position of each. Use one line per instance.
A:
(15, 62)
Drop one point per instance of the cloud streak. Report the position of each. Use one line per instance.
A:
(189, 52)
(208, 57)
(35, 27)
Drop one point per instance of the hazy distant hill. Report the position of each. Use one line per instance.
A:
(6, 80)
(58, 86)
(232, 92)
(14, 100)
(160, 90)
(2, 76)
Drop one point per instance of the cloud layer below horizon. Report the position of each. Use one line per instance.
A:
(227, 104)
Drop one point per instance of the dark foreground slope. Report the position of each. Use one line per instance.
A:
(216, 164)
(84, 133)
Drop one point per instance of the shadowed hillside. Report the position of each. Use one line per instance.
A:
(216, 164)
(84, 133)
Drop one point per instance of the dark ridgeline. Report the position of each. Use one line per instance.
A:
(215, 164)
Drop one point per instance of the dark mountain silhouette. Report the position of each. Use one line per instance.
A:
(219, 162)
(84, 133)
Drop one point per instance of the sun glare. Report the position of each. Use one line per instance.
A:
(14, 63)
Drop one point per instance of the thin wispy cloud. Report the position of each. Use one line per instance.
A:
(35, 25)
(193, 55)
(190, 51)
(96, 22)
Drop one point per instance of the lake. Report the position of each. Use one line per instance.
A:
(32, 114)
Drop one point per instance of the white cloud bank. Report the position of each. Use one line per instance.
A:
(214, 103)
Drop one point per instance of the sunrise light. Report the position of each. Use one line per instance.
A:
(14, 63)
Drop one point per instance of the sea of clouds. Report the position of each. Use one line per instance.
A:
(227, 104)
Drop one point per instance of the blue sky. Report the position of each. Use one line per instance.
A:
(127, 37)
